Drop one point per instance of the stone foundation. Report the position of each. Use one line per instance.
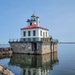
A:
(33, 47)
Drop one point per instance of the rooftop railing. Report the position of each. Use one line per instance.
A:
(15, 40)
(23, 40)
(41, 39)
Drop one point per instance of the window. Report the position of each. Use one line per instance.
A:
(40, 33)
(43, 34)
(30, 23)
(46, 34)
(24, 33)
(34, 33)
(24, 39)
(34, 39)
(29, 39)
(29, 33)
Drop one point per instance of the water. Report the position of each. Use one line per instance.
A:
(59, 63)
(4, 45)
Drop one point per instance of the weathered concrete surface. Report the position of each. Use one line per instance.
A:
(5, 71)
(28, 47)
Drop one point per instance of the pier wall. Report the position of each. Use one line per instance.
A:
(25, 48)
(48, 48)
(33, 48)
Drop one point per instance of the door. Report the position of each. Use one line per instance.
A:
(34, 47)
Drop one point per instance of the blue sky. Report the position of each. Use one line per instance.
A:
(56, 15)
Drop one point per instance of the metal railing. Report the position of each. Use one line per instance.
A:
(41, 39)
(19, 40)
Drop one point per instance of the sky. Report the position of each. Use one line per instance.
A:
(56, 15)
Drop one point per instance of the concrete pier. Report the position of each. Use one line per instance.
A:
(34, 47)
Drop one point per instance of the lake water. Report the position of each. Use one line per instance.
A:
(59, 63)
(4, 45)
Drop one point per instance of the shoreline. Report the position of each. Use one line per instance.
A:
(5, 71)
(5, 51)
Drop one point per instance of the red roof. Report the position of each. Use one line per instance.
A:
(33, 26)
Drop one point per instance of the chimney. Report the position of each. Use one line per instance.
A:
(37, 21)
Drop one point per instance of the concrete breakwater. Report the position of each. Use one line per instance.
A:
(36, 47)
(5, 71)
(4, 51)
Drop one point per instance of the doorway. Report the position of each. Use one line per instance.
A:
(34, 47)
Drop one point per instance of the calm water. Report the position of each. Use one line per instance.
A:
(60, 63)
(4, 45)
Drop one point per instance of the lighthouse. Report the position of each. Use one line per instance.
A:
(33, 31)
(34, 39)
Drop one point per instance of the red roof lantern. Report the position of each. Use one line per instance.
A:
(33, 23)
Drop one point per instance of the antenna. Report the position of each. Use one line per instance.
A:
(34, 11)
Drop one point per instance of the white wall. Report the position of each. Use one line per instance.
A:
(44, 32)
(37, 33)
(34, 22)
(31, 33)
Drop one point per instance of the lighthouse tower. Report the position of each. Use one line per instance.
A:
(33, 31)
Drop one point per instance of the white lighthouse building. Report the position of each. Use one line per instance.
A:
(33, 31)
(34, 39)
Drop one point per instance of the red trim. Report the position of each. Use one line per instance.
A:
(33, 26)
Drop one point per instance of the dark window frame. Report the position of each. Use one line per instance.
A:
(24, 39)
(34, 32)
(29, 39)
(30, 23)
(24, 33)
(29, 33)
(34, 39)
(40, 33)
